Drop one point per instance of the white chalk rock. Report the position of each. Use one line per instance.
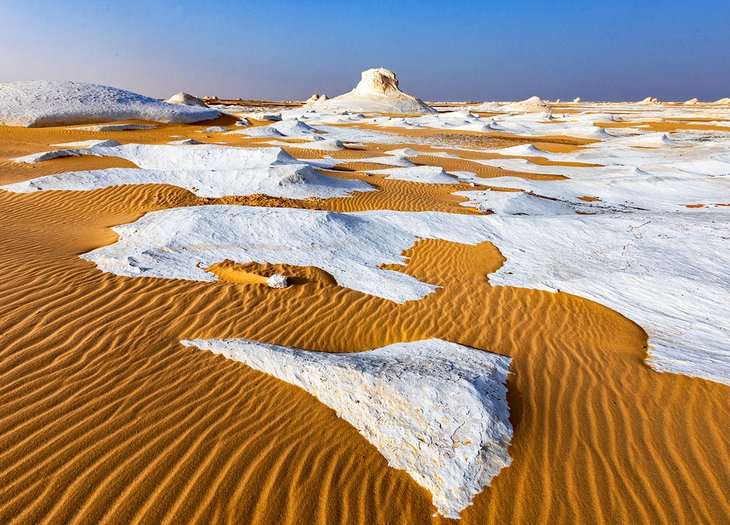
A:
(437, 410)
(515, 203)
(186, 100)
(277, 281)
(56, 103)
(377, 92)
(207, 170)
(312, 100)
(529, 105)
(649, 101)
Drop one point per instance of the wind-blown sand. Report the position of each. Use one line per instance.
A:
(107, 417)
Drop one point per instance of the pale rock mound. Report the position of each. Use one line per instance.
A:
(105, 128)
(56, 103)
(649, 101)
(437, 410)
(514, 203)
(576, 100)
(186, 100)
(377, 92)
(691, 102)
(205, 169)
(722, 102)
(316, 98)
(277, 281)
(530, 105)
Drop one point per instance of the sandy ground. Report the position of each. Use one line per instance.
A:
(105, 417)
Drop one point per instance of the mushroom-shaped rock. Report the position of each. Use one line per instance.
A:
(437, 410)
(377, 92)
(186, 99)
(576, 100)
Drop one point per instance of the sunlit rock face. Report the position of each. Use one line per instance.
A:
(378, 92)
(437, 410)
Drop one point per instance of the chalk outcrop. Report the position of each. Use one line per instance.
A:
(277, 281)
(377, 92)
(437, 410)
(648, 101)
(529, 105)
(186, 99)
(56, 103)
(205, 169)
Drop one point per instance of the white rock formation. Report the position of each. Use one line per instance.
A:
(57, 103)
(514, 203)
(215, 129)
(649, 101)
(313, 99)
(529, 105)
(576, 100)
(722, 102)
(186, 100)
(437, 410)
(205, 169)
(422, 174)
(277, 281)
(377, 92)
(104, 128)
(626, 261)
(691, 102)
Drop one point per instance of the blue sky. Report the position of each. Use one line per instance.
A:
(281, 49)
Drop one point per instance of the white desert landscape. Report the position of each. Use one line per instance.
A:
(362, 308)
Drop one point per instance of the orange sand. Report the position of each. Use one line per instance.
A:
(106, 418)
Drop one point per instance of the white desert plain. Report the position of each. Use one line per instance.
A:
(362, 309)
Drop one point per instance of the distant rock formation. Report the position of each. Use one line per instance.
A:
(58, 102)
(530, 105)
(691, 102)
(316, 98)
(377, 92)
(186, 100)
(649, 101)
(722, 102)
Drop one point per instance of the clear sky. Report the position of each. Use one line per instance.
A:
(440, 50)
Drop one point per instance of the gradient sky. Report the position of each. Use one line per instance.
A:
(440, 50)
